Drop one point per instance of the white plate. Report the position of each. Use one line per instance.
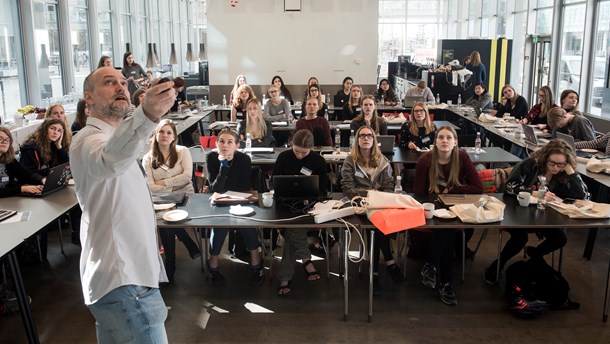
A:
(241, 211)
(589, 150)
(444, 214)
(175, 215)
(164, 206)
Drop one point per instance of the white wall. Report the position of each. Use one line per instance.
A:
(329, 39)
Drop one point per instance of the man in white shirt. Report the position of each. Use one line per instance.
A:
(120, 264)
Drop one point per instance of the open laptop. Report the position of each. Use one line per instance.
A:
(338, 100)
(56, 180)
(409, 101)
(569, 139)
(530, 136)
(296, 187)
(386, 143)
(178, 197)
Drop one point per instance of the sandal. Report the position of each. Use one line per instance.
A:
(311, 276)
(285, 290)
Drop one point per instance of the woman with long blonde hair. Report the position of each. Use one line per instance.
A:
(352, 108)
(260, 130)
(238, 106)
(239, 81)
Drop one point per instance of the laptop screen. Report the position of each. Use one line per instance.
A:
(296, 186)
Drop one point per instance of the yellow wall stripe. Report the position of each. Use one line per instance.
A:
(491, 71)
(503, 58)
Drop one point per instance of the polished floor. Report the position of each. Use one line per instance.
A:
(240, 313)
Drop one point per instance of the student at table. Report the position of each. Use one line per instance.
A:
(318, 126)
(82, 112)
(569, 100)
(345, 92)
(57, 111)
(314, 91)
(169, 168)
(602, 144)
(312, 81)
(365, 168)
(538, 113)
(138, 97)
(481, 99)
(421, 90)
(573, 123)
(445, 169)
(238, 106)
(14, 178)
(239, 81)
(419, 132)
(276, 108)
(369, 117)
(105, 61)
(299, 161)
(46, 147)
(557, 162)
(230, 170)
(385, 91)
(511, 104)
(352, 108)
(181, 102)
(284, 91)
(260, 130)
(134, 73)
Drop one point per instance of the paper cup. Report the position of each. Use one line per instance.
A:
(524, 198)
(429, 210)
(267, 199)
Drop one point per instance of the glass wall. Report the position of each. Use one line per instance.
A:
(10, 63)
(105, 31)
(571, 47)
(79, 38)
(47, 54)
(601, 64)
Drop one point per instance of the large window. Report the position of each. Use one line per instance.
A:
(571, 47)
(79, 37)
(125, 27)
(600, 67)
(10, 91)
(47, 54)
(104, 25)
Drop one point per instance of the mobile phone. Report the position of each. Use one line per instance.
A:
(162, 80)
(569, 201)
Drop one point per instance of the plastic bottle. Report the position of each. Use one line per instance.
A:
(477, 144)
(352, 138)
(459, 99)
(224, 100)
(328, 99)
(382, 100)
(542, 194)
(337, 138)
(326, 114)
(248, 143)
(264, 99)
(205, 101)
(438, 98)
(398, 186)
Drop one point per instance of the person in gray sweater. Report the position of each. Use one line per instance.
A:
(481, 98)
(573, 123)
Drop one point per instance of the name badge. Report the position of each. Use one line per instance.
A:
(165, 167)
(305, 171)
(4, 179)
(359, 174)
(357, 109)
(281, 112)
(425, 139)
(240, 114)
(442, 183)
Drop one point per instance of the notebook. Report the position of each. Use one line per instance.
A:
(386, 143)
(453, 199)
(409, 101)
(56, 180)
(296, 187)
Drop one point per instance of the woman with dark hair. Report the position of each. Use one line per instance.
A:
(82, 112)
(105, 61)
(481, 99)
(538, 113)
(419, 132)
(511, 104)
(352, 108)
(444, 169)
(260, 130)
(299, 161)
(56, 111)
(556, 161)
(45, 148)
(138, 97)
(477, 68)
(277, 81)
(169, 168)
(14, 178)
(385, 91)
(369, 117)
(181, 102)
(315, 92)
(365, 168)
(134, 73)
(345, 92)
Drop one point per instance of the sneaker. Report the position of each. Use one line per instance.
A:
(215, 276)
(376, 286)
(395, 273)
(447, 293)
(258, 274)
(490, 275)
(428, 275)
(532, 252)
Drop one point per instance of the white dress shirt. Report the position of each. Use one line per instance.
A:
(118, 226)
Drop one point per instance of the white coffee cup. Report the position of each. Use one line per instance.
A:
(517, 134)
(429, 210)
(449, 102)
(524, 198)
(267, 199)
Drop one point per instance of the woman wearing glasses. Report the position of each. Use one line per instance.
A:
(538, 113)
(419, 131)
(314, 91)
(557, 162)
(276, 108)
(14, 178)
(365, 168)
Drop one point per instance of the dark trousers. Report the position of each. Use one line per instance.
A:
(442, 246)
(168, 240)
(555, 238)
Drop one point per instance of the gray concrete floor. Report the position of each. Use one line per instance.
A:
(413, 313)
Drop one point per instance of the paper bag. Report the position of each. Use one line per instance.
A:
(492, 211)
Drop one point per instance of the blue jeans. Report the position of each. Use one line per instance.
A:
(250, 236)
(130, 314)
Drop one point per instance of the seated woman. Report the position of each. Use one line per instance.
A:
(365, 168)
(573, 123)
(344, 93)
(538, 113)
(299, 161)
(481, 99)
(45, 148)
(318, 126)
(421, 90)
(602, 144)
(181, 102)
(419, 131)
(260, 130)
(82, 112)
(284, 91)
(445, 169)
(387, 93)
(557, 162)
(369, 117)
(169, 168)
(314, 91)
(239, 81)
(230, 170)
(511, 104)
(238, 106)
(14, 178)
(312, 81)
(57, 111)
(352, 108)
(276, 108)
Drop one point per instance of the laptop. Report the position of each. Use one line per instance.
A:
(569, 139)
(531, 138)
(178, 197)
(409, 101)
(296, 187)
(56, 180)
(386, 143)
(338, 100)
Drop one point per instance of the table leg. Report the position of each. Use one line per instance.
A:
(606, 296)
(22, 299)
(589, 244)
(345, 275)
(371, 244)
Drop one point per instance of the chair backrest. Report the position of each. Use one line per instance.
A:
(257, 180)
(207, 141)
(494, 179)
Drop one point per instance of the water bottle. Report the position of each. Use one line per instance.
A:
(337, 138)
(459, 99)
(205, 101)
(326, 114)
(224, 100)
(248, 143)
(352, 138)
(328, 99)
(438, 98)
(382, 101)
(398, 186)
(542, 193)
(264, 99)
(477, 144)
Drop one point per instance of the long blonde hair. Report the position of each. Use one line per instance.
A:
(236, 85)
(435, 173)
(237, 101)
(427, 121)
(376, 121)
(548, 101)
(374, 159)
(349, 104)
(257, 127)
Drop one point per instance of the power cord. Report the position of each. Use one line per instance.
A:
(348, 238)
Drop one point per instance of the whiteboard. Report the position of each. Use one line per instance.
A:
(329, 39)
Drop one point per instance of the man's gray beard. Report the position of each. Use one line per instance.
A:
(114, 112)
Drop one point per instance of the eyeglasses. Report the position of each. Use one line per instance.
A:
(365, 136)
(418, 111)
(7, 140)
(554, 163)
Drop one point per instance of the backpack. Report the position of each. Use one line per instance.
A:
(533, 286)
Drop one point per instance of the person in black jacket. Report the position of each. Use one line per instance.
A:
(370, 117)
(47, 147)
(419, 131)
(14, 178)
(557, 162)
(230, 170)
(511, 104)
(260, 130)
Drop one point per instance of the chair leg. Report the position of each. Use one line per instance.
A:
(463, 255)
(483, 236)
(498, 259)
(61, 241)
(327, 254)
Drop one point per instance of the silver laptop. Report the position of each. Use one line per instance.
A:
(386, 143)
(409, 101)
(531, 138)
(569, 139)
